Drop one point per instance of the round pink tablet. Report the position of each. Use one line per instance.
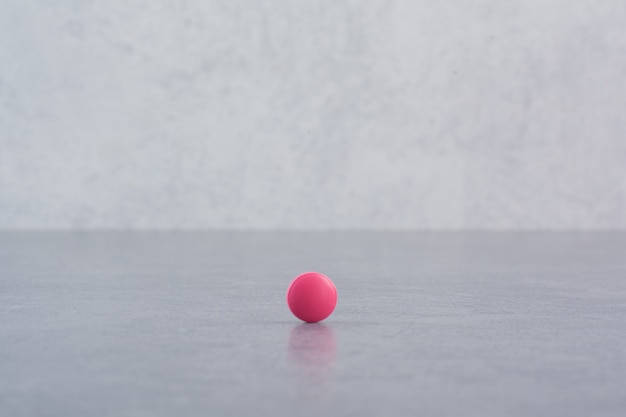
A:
(312, 297)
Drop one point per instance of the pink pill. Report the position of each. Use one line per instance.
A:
(311, 297)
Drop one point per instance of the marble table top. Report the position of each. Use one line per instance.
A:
(427, 323)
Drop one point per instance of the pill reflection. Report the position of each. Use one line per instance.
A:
(312, 350)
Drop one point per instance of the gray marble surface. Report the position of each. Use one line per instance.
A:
(195, 324)
(313, 114)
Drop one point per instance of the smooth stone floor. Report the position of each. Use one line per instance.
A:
(195, 324)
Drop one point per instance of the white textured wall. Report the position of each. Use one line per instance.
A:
(307, 114)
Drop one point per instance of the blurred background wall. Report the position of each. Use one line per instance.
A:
(370, 114)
